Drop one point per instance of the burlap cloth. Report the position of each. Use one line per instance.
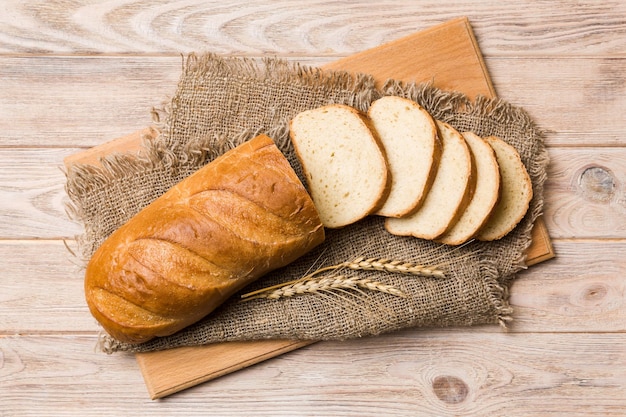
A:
(221, 102)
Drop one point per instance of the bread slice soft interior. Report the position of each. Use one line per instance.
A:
(409, 135)
(485, 195)
(448, 194)
(343, 162)
(516, 192)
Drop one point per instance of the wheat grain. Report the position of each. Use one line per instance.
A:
(378, 286)
(323, 285)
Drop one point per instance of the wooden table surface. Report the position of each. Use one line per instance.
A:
(77, 74)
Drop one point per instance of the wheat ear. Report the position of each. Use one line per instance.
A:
(360, 263)
(324, 284)
(393, 266)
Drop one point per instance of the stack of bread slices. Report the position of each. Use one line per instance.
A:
(426, 178)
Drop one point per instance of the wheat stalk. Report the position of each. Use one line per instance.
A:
(360, 263)
(393, 266)
(324, 284)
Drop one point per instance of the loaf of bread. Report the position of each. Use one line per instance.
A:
(515, 195)
(238, 218)
(449, 194)
(485, 196)
(343, 162)
(409, 136)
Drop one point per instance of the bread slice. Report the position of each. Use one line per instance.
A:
(516, 192)
(485, 196)
(409, 135)
(448, 194)
(343, 162)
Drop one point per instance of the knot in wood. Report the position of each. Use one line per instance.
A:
(597, 184)
(595, 292)
(450, 389)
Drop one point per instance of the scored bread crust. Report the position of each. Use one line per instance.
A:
(516, 192)
(485, 196)
(409, 136)
(449, 194)
(343, 162)
(234, 220)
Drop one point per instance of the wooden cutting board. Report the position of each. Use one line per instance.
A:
(448, 55)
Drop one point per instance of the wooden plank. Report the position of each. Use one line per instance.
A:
(416, 373)
(563, 61)
(437, 62)
(80, 101)
(292, 27)
(583, 196)
(581, 290)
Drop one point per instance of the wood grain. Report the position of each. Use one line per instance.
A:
(587, 192)
(441, 49)
(32, 196)
(45, 294)
(321, 27)
(130, 144)
(582, 290)
(174, 370)
(568, 85)
(80, 101)
(108, 97)
(76, 74)
(413, 373)
(33, 200)
(541, 248)
(584, 283)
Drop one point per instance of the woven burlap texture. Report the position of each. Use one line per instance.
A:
(221, 102)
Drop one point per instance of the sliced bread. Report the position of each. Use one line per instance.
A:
(409, 135)
(515, 195)
(343, 162)
(485, 196)
(448, 194)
